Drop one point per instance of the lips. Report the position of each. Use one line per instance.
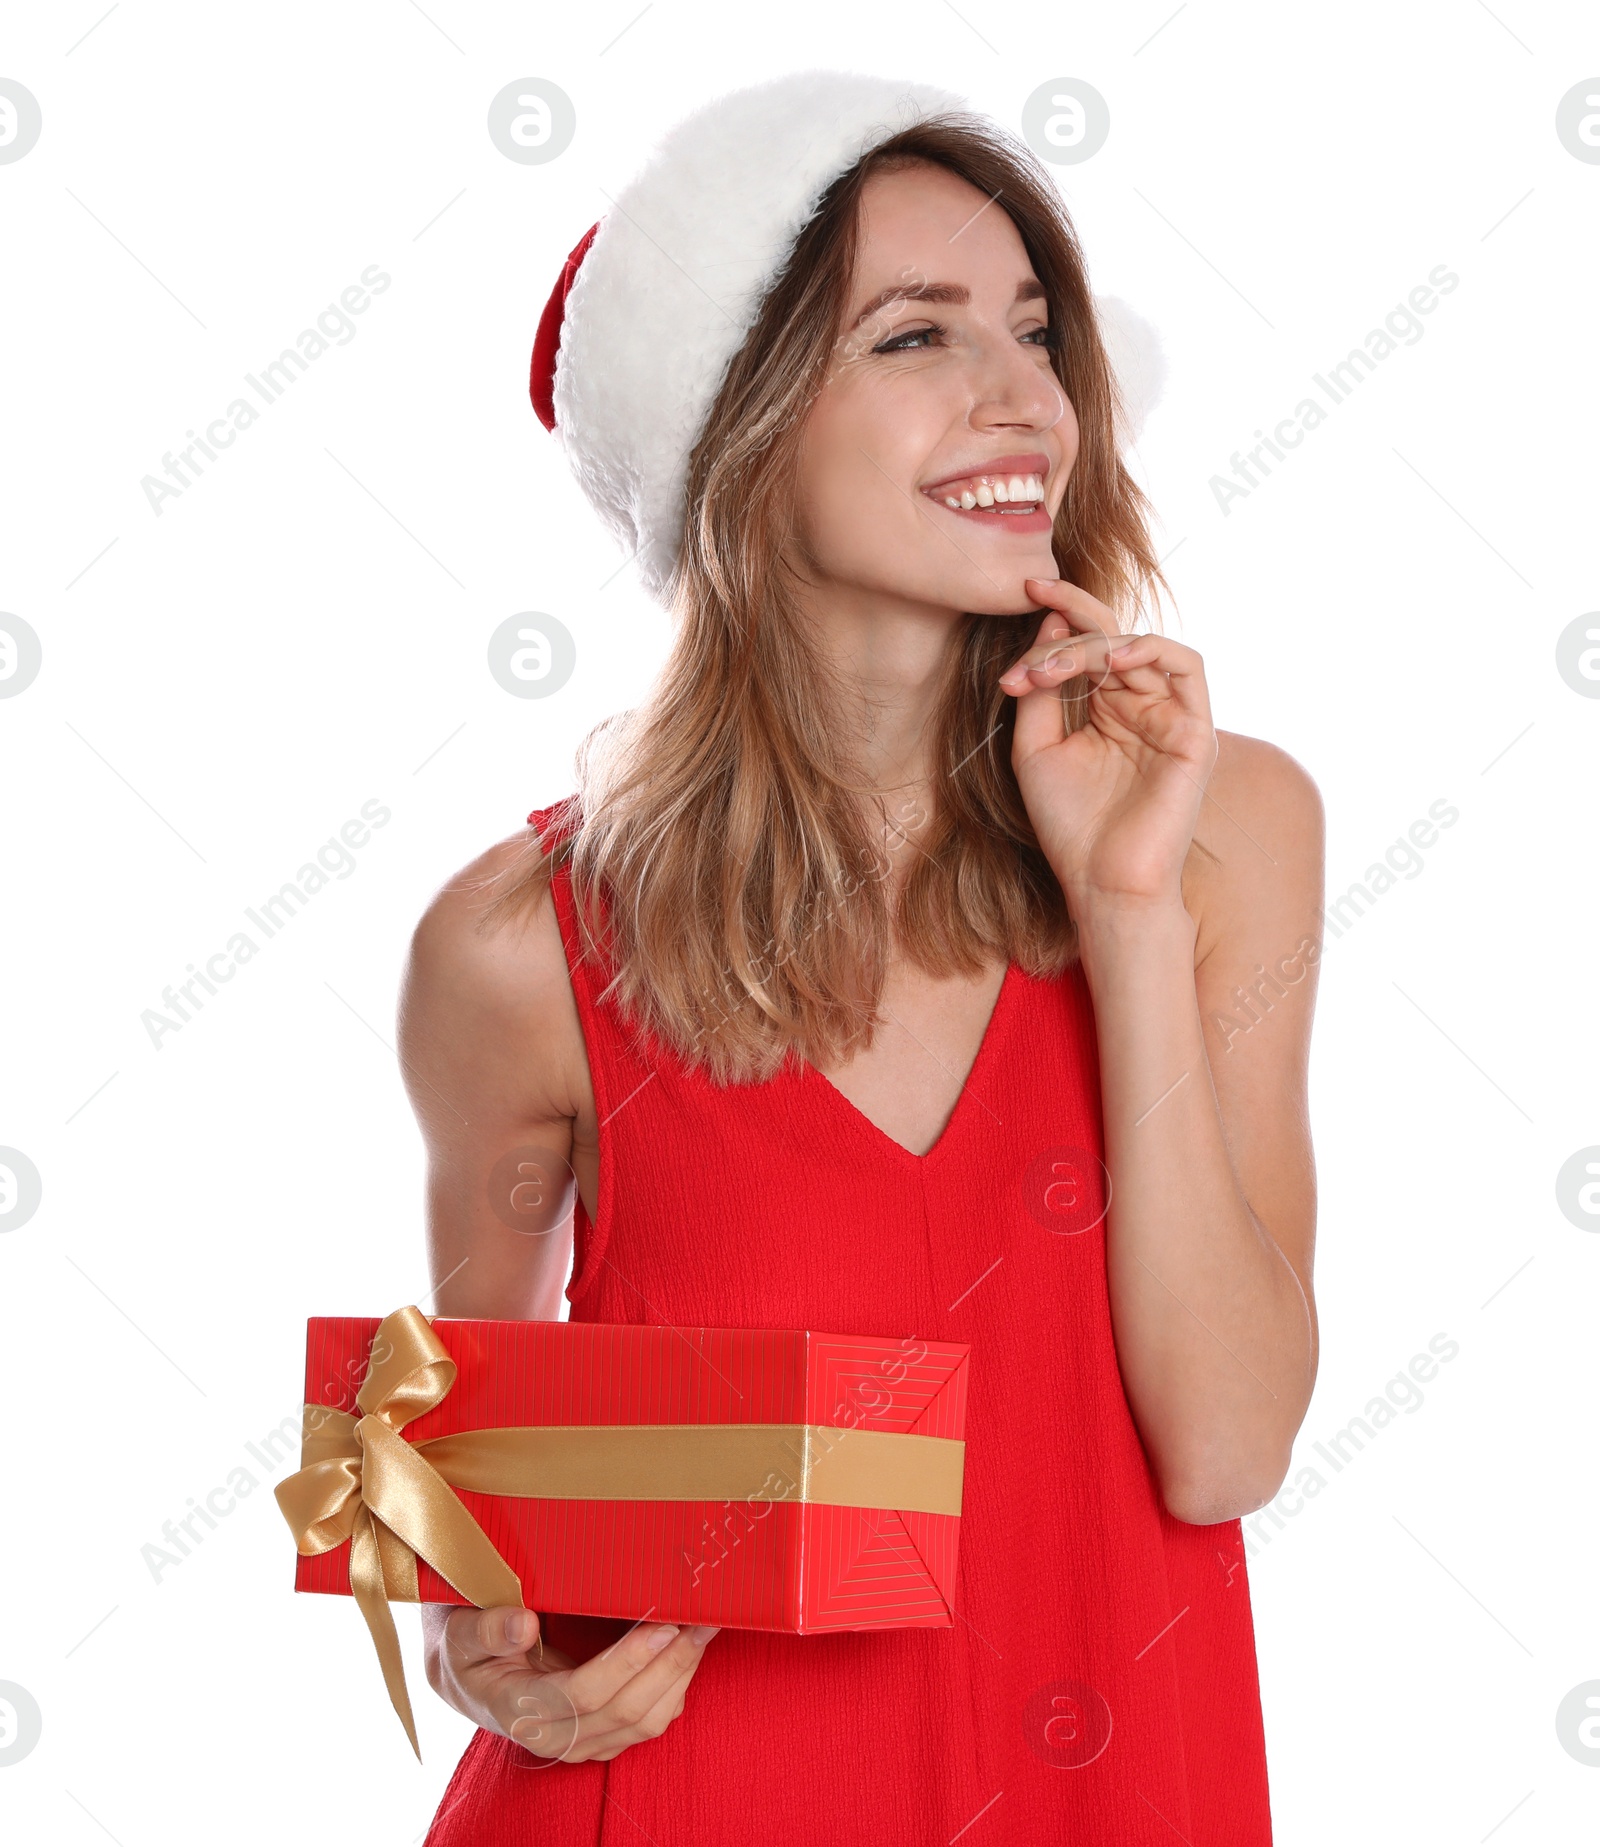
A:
(1035, 462)
(1005, 494)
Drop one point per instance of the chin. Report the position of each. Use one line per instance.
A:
(1020, 605)
(1003, 590)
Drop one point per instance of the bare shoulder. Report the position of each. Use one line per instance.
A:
(1260, 781)
(1262, 824)
(486, 1008)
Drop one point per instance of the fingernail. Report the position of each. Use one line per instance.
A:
(659, 1640)
(517, 1627)
(1048, 582)
(702, 1633)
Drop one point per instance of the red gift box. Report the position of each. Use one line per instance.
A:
(736, 1476)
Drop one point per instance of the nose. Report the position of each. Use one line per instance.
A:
(1011, 389)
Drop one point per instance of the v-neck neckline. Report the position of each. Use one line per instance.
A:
(865, 1126)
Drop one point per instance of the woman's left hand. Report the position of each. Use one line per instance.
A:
(1113, 804)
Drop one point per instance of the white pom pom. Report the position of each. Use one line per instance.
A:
(1134, 349)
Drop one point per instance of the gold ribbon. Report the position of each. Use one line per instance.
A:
(359, 1479)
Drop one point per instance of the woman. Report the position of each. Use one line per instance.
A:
(919, 960)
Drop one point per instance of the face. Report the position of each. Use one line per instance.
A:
(940, 390)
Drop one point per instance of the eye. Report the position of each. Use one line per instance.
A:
(897, 343)
(911, 341)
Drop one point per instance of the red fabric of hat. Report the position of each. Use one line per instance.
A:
(542, 374)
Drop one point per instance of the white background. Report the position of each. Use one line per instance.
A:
(305, 628)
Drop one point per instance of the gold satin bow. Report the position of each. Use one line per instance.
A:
(360, 1480)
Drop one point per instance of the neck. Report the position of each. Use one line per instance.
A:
(891, 655)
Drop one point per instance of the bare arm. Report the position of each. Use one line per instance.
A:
(1204, 1019)
(493, 1058)
(1212, 1190)
(492, 1053)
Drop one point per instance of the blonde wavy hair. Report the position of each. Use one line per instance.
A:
(726, 874)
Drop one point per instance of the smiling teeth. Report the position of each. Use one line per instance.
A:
(997, 490)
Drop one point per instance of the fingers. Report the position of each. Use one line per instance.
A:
(1035, 682)
(1157, 664)
(631, 1691)
(626, 1679)
(670, 1705)
(638, 1715)
(644, 1708)
(667, 1708)
(1146, 664)
(502, 1629)
(537, 1712)
(1081, 610)
(1052, 662)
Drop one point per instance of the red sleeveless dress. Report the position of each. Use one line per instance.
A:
(1099, 1683)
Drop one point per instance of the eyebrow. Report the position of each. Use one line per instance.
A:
(954, 293)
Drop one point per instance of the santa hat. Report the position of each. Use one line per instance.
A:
(658, 296)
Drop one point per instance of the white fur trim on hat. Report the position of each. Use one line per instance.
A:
(677, 272)
(1137, 361)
